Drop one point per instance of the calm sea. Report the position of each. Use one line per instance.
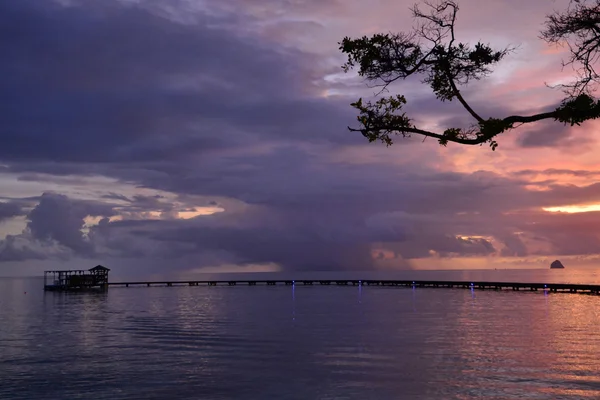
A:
(302, 342)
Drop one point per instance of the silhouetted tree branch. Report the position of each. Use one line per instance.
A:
(578, 28)
(432, 51)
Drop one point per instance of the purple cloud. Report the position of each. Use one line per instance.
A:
(203, 109)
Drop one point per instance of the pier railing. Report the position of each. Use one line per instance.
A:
(473, 285)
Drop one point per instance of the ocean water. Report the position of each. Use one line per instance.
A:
(301, 342)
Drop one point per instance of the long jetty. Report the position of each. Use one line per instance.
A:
(473, 285)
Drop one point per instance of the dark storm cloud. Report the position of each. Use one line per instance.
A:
(17, 248)
(555, 171)
(326, 219)
(301, 181)
(57, 218)
(299, 248)
(444, 246)
(338, 235)
(116, 196)
(292, 230)
(105, 82)
(515, 247)
(129, 93)
(256, 235)
(554, 134)
(9, 210)
(550, 134)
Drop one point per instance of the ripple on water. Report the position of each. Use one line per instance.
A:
(317, 343)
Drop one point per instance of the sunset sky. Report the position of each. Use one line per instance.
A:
(196, 135)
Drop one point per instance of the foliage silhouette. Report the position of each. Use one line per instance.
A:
(432, 51)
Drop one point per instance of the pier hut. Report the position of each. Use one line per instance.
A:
(72, 280)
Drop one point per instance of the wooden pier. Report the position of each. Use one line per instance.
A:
(473, 285)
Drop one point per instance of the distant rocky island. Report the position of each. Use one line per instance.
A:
(556, 264)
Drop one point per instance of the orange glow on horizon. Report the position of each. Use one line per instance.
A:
(198, 211)
(574, 208)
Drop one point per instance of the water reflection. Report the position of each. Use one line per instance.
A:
(294, 301)
(340, 342)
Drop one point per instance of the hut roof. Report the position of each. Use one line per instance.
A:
(99, 268)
